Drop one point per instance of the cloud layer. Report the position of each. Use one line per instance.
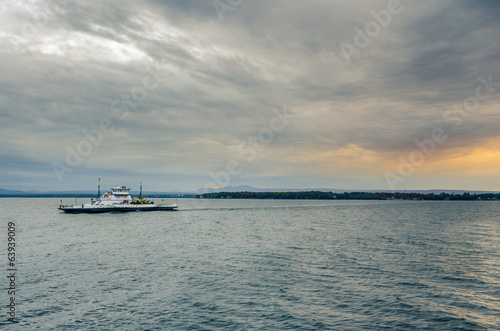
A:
(185, 85)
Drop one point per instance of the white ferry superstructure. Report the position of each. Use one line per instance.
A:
(118, 199)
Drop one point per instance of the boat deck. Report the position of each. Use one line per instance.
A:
(114, 208)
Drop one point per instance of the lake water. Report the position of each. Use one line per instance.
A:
(257, 264)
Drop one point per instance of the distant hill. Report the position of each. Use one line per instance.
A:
(10, 192)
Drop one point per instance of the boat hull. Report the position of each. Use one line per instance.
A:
(114, 208)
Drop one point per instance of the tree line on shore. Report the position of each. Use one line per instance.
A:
(319, 195)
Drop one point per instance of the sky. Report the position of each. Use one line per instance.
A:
(353, 95)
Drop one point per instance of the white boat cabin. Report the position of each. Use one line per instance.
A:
(118, 195)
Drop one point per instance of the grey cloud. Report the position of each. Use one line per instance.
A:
(222, 78)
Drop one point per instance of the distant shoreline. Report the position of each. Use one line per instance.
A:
(293, 195)
(319, 195)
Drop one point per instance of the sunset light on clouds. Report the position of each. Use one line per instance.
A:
(331, 94)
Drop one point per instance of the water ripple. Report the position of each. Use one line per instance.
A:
(261, 264)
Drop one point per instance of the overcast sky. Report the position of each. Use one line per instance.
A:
(274, 94)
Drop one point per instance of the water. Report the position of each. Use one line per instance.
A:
(258, 264)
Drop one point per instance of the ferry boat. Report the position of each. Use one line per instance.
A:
(118, 199)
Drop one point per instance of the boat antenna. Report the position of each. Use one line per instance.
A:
(140, 193)
(98, 188)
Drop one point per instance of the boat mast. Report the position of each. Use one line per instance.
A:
(140, 193)
(98, 188)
